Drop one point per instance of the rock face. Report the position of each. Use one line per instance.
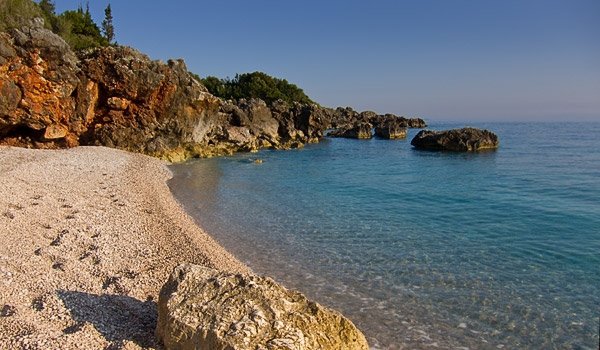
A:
(130, 102)
(359, 130)
(117, 97)
(460, 140)
(38, 75)
(200, 308)
(391, 128)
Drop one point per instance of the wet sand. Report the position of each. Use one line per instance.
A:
(87, 238)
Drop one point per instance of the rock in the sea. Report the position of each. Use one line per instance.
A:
(360, 130)
(392, 128)
(416, 123)
(460, 140)
(201, 308)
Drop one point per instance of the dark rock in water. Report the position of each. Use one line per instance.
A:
(391, 128)
(360, 130)
(417, 123)
(460, 140)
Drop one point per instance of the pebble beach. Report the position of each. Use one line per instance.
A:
(88, 237)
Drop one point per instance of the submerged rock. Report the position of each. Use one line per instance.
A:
(460, 140)
(201, 308)
(360, 130)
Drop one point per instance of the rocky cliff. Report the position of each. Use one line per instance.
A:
(118, 97)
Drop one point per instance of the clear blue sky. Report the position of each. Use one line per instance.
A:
(443, 59)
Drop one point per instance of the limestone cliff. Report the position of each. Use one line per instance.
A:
(118, 97)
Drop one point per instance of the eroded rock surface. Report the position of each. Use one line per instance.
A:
(120, 98)
(359, 130)
(391, 128)
(460, 140)
(201, 308)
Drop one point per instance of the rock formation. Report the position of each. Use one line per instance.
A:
(38, 76)
(391, 128)
(358, 130)
(460, 140)
(118, 97)
(201, 308)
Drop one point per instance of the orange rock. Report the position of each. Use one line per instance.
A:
(55, 131)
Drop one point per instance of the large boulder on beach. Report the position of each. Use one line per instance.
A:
(459, 140)
(359, 130)
(202, 308)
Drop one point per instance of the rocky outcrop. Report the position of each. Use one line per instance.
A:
(358, 130)
(118, 97)
(201, 308)
(130, 102)
(391, 128)
(38, 76)
(252, 124)
(351, 124)
(460, 140)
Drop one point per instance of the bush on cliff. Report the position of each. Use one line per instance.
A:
(76, 27)
(255, 85)
(17, 13)
(79, 30)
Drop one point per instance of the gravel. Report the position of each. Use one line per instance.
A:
(87, 238)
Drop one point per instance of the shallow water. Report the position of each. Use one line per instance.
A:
(488, 250)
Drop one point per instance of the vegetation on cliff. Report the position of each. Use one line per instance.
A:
(76, 27)
(255, 85)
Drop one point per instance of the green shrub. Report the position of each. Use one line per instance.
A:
(76, 27)
(79, 30)
(17, 13)
(255, 85)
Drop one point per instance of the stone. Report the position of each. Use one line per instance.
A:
(415, 123)
(459, 140)
(201, 308)
(55, 131)
(360, 130)
(10, 96)
(239, 135)
(118, 103)
(391, 128)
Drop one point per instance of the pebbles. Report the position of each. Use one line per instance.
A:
(92, 235)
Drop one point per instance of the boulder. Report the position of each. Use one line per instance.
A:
(391, 128)
(417, 123)
(201, 308)
(360, 130)
(459, 140)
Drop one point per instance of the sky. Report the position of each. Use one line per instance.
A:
(438, 59)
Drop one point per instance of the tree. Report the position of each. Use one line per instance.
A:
(107, 25)
(47, 7)
(255, 85)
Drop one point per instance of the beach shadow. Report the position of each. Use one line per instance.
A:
(118, 318)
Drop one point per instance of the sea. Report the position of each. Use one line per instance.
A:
(421, 249)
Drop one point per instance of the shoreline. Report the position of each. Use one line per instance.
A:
(89, 236)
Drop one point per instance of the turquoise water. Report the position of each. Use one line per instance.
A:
(422, 249)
